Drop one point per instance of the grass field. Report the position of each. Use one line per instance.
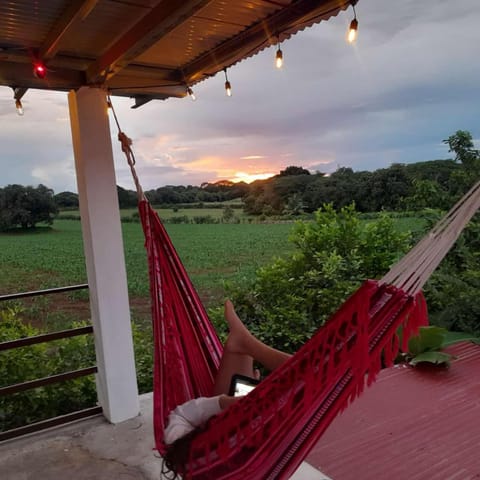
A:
(212, 254)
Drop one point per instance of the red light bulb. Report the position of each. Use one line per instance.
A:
(39, 70)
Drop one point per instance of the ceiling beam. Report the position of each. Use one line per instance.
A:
(20, 76)
(162, 19)
(79, 64)
(254, 38)
(76, 11)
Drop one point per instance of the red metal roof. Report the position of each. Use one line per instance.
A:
(412, 424)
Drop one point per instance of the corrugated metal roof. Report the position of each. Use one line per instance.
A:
(143, 48)
(217, 21)
(412, 424)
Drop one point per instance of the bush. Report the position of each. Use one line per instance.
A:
(335, 253)
(133, 218)
(176, 220)
(46, 359)
(143, 344)
(202, 219)
(452, 291)
(70, 216)
(42, 360)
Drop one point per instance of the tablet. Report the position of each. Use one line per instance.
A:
(241, 385)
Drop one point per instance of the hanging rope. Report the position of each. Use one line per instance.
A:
(127, 150)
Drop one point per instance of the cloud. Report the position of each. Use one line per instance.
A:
(409, 82)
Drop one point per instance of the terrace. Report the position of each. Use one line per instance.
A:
(146, 50)
(431, 434)
(95, 448)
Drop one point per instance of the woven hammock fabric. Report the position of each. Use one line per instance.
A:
(187, 350)
(268, 433)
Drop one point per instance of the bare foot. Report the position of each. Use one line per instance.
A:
(233, 320)
(239, 335)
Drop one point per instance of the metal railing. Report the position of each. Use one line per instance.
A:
(40, 382)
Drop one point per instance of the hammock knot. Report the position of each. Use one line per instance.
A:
(126, 143)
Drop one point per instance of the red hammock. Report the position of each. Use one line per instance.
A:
(268, 433)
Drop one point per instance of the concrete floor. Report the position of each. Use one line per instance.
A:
(95, 449)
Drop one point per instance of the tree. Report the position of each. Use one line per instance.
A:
(292, 170)
(126, 198)
(434, 170)
(294, 205)
(388, 187)
(271, 196)
(426, 194)
(26, 206)
(228, 214)
(66, 200)
(461, 143)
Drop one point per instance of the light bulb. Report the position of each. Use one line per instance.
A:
(353, 30)
(228, 87)
(39, 70)
(19, 106)
(279, 58)
(191, 94)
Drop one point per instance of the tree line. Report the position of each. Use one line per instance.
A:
(429, 184)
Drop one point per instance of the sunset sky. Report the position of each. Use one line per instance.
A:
(411, 80)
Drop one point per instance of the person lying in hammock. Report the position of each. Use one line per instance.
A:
(240, 351)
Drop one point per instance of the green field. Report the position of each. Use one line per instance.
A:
(212, 254)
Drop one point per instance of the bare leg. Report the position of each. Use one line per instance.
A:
(240, 349)
(232, 362)
(242, 341)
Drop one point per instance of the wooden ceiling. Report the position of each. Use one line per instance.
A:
(145, 49)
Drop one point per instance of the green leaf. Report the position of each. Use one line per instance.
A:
(436, 358)
(429, 338)
(455, 337)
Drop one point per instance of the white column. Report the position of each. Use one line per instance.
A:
(103, 246)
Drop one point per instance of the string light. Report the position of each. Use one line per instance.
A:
(279, 57)
(353, 30)
(191, 94)
(19, 106)
(39, 70)
(228, 86)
